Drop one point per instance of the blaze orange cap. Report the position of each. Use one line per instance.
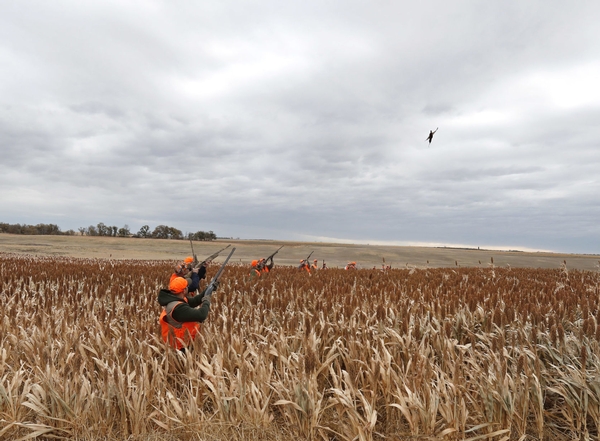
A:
(188, 259)
(254, 262)
(177, 285)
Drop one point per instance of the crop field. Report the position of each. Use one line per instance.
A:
(475, 353)
(335, 254)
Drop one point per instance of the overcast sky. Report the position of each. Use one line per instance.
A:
(306, 120)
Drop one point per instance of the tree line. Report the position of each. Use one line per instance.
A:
(101, 229)
(48, 229)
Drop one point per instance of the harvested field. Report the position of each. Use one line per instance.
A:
(488, 352)
(336, 255)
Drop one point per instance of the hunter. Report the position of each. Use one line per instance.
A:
(315, 265)
(181, 315)
(254, 269)
(264, 266)
(304, 266)
(191, 275)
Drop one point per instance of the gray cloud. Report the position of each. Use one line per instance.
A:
(305, 120)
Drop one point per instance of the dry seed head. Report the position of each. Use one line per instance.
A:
(427, 302)
(584, 357)
(521, 364)
(310, 361)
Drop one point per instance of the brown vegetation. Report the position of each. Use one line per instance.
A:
(336, 255)
(463, 353)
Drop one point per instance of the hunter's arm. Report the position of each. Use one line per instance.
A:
(195, 282)
(186, 313)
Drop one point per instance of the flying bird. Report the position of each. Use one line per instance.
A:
(430, 137)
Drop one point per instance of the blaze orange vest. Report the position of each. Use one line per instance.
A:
(174, 333)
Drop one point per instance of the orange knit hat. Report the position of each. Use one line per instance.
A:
(177, 285)
(188, 259)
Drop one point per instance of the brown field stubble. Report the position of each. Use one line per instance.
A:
(336, 255)
(464, 353)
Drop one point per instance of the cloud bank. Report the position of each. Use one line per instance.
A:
(304, 120)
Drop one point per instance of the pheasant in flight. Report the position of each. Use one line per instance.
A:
(430, 137)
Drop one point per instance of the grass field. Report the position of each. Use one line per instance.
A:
(336, 255)
(481, 352)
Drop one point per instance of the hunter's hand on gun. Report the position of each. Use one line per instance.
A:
(208, 296)
(215, 286)
(214, 283)
(209, 292)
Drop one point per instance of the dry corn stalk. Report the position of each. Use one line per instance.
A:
(462, 353)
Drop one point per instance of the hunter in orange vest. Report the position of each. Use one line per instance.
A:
(192, 275)
(304, 266)
(255, 269)
(180, 317)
